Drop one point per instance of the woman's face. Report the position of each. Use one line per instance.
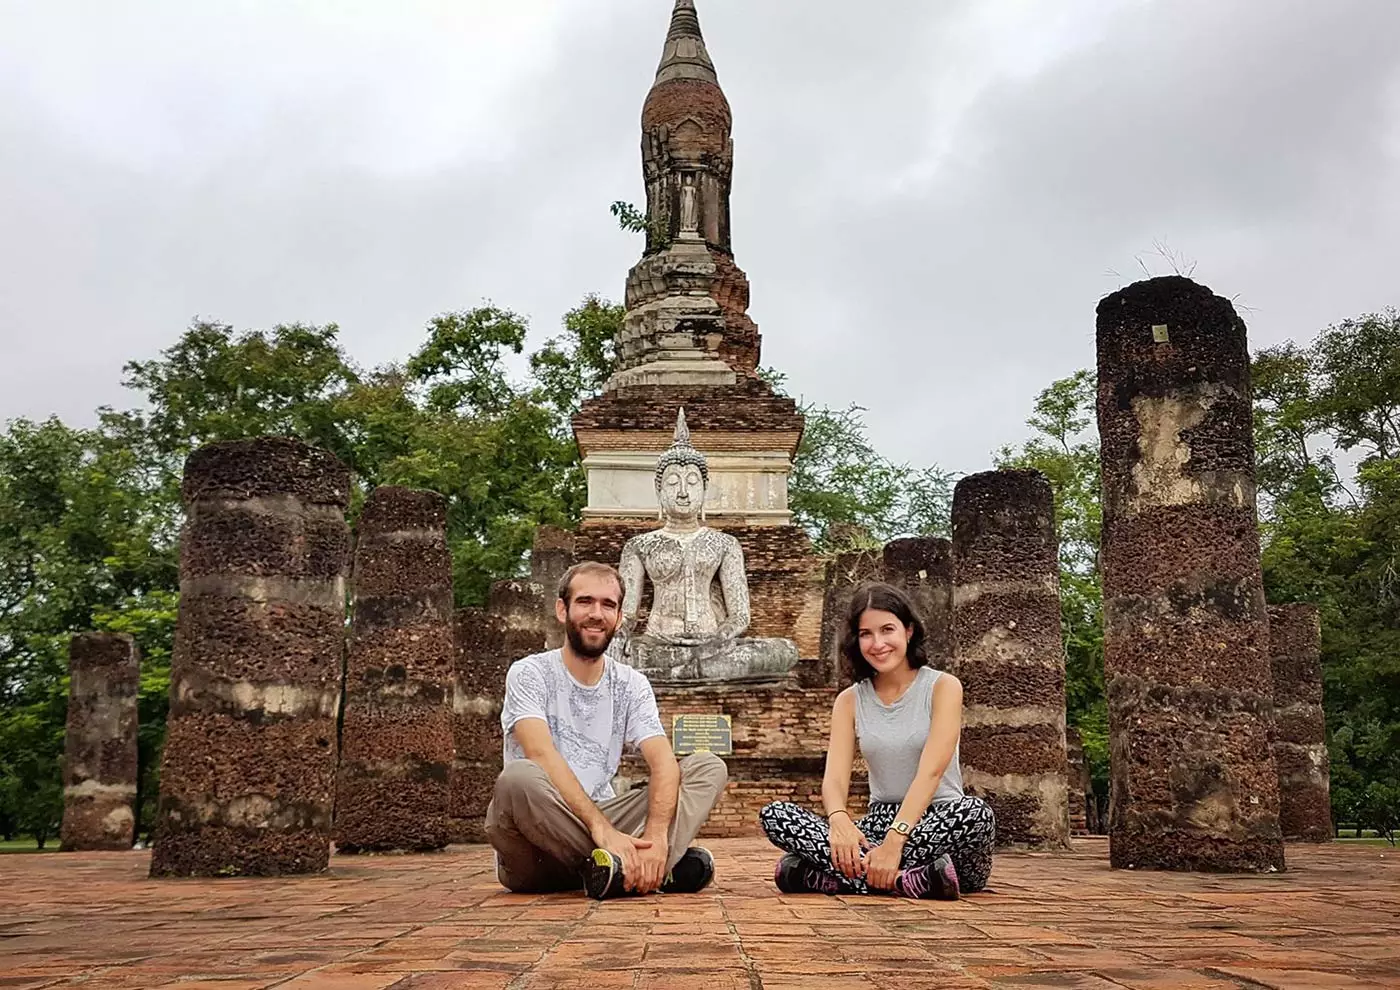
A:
(884, 640)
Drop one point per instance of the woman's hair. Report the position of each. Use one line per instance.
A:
(884, 598)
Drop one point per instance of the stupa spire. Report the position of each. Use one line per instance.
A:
(684, 55)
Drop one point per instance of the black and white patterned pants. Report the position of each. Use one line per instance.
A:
(964, 829)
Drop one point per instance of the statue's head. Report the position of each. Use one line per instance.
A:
(681, 476)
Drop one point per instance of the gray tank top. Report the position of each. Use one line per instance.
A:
(892, 738)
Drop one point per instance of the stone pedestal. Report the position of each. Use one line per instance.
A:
(396, 736)
(1009, 654)
(248, 770)
(100, 765)
(1300, 731)
(738, 661)
(779, 735)
(1185, 629)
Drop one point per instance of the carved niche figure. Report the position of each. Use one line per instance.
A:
(690, 206)
(700, 594)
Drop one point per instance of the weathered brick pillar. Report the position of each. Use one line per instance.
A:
(1300, 733)
(248, 770)
(479, 685)
(844, 573)
(1186, 634)
(1080, 788)
(922, 567)
(396, 735)
(99, 767)
(1009, 654)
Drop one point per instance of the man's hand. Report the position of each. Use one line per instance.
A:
(627, 848)
(882, 863)
(651, 861)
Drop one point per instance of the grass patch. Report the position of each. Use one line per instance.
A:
(27, 846)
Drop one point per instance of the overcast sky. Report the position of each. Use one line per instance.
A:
(929, 198)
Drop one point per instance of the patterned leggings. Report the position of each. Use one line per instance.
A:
(964, 829)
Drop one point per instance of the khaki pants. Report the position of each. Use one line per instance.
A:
(541, 845)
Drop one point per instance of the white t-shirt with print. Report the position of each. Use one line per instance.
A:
(589, 723)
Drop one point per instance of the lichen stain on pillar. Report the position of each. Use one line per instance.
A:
(248, 769)
(100, 755)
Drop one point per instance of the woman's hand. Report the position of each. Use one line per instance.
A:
(882, 864)
(847, 844)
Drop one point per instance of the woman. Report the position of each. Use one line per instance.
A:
(922, 837)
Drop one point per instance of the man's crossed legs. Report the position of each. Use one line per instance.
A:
(542, 846)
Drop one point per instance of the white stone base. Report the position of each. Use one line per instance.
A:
(748, 485)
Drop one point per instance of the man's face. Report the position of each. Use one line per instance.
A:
(592, 614)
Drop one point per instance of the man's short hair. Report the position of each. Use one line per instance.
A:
(589, 567)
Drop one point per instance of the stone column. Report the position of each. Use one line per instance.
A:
(922, 567)
(1009, 654)
(396, 735)
(1300, 733)
(248, 770)
(1185, 629)
(1080, 786)
(844, 573)
(479, 685)
(99, 766)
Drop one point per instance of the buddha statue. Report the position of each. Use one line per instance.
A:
(700, 594)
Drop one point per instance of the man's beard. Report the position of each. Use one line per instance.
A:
(581, 647)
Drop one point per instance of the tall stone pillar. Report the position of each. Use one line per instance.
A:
(1186, 634)
(922, 567)
(1009, 654)
(1300, 732)
(479, 685)
(396, 735)
(248, 770)
(99, 766)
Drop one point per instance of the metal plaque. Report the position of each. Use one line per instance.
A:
(702, 734)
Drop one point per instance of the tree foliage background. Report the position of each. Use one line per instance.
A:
(90, 517)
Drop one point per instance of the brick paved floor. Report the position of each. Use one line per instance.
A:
(439, 921)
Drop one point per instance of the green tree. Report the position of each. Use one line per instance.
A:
(1064, 447)
(1335, 544)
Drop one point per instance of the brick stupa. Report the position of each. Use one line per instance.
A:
(688, 342)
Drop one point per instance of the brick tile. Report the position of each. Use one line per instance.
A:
(429, 922)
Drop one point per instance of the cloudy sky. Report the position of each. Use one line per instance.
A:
(929, 198)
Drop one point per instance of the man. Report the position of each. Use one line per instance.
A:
(554, 820)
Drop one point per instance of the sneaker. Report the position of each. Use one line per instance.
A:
(691, 874)
(794, 875)
(602, 876)
(938, 881)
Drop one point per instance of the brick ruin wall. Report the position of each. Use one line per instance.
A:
(396, 734)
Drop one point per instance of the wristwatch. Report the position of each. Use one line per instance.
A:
(901, 827)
